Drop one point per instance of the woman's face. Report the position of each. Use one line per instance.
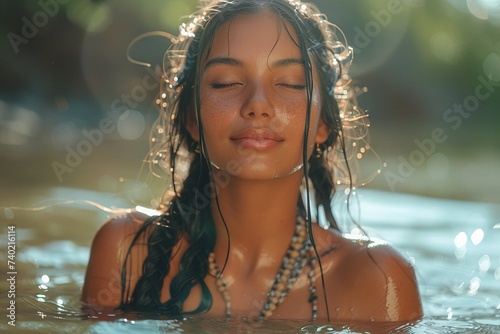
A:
(253, 100)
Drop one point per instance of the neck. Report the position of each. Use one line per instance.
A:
(260, 215)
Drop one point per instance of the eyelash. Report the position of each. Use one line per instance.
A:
(223, 85)
(292, 86)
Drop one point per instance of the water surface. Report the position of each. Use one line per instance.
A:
(454, 245)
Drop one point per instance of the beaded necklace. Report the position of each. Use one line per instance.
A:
(299, 254)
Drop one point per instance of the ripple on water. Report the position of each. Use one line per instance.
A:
(52, 290)
(56, 254)
(125, 326)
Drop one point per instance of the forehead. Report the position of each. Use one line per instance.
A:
(258, 34)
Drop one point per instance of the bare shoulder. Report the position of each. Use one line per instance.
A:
(102, 286)
(372, 281)
(119, 230)
(115, 235)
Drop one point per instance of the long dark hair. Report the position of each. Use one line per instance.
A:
(185, 204)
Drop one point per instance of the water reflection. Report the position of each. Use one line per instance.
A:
(484, 263)
(477, 236)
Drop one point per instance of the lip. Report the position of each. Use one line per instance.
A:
(258, 139)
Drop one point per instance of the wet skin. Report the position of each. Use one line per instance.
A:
(253, 105)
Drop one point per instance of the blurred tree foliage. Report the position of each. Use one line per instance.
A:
(419, 58)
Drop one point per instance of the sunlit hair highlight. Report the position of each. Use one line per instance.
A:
(172, 148)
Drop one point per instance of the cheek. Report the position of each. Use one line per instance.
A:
(283, 120)
(297, 113)
(316, 100)
(315, 111)
(290, 114)
(215, 109)
(314, 121)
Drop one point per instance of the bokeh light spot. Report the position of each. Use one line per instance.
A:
(63, 135)
(445, 48)
(477, 9)
(131, 125)
(484, 263)
(438, 166)
(477, 236)
(491, 66)
(460, 240)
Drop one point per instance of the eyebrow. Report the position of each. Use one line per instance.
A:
(223, 61)
(288, 62)
(235, 62)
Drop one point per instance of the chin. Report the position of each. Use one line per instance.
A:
(263, 174)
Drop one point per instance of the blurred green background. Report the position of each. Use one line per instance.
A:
(74, 112)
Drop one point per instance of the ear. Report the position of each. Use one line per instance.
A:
(322, 132)
(192, 125)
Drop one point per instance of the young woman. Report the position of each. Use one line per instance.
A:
(255, 112)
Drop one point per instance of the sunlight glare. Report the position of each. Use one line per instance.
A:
(460, 240)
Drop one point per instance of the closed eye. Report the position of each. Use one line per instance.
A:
(293, 86)
(223, 85)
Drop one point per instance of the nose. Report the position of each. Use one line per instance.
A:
(257, 103)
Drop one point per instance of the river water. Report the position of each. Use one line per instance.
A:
(455, 246)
